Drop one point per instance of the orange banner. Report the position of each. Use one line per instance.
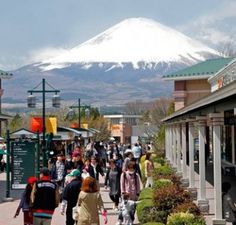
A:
(37, 124)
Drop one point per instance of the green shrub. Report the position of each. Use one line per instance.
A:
(159, 160)
(147, 212)
(161, 183)
(175, 179)
(184, 219)
(189, 207)
(153, 223)
(163, 170)
(146, 193)
(168, 197)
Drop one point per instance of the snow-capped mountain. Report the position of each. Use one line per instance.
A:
(121, 64)
(131, 41)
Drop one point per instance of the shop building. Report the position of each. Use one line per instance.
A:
(121, 126)
(211, 120)
(191, 84)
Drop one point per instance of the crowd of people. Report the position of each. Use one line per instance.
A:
(73, 182)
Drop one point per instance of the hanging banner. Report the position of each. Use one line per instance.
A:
(51, 125)
(37, 124)
(85, 125)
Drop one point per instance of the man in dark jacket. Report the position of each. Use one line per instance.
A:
(44, 199)
(70, 195)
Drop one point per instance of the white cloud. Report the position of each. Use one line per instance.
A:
(45, 54)
(213, 28)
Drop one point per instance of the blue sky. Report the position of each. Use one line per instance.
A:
(29, 28)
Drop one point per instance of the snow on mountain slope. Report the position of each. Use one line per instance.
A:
(131, 41)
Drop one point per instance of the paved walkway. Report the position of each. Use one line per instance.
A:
(7, 209)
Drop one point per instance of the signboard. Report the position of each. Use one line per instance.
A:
(115, 127)
(23, 162)
(226, 79)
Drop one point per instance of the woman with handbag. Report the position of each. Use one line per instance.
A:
(90, 203)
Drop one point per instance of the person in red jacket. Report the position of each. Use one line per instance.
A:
(44, 199)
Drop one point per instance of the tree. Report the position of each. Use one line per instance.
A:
(227, 49)
(156, 111)
(100, 124)
(15, 123)
(135, 108)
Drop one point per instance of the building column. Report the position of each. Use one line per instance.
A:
(169, 140)
(192, 188)
(217, 120)
(178, 150)
(171, 145)
(174, 147)
(233, 144)
(184, 180)
(203, 203)
(174, 163)
(167, 149)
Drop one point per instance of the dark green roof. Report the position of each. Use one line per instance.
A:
(5, 75)
(206, 69)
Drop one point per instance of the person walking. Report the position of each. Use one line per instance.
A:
(137, 152)
(44, 198)
(70, 195)
(90, 203)
(58, 172)
(128, 157)
(148, 170)
(229, 208)
(113, 180)
(25, 202)
(130, 185)
(75, 163)
(97, 169)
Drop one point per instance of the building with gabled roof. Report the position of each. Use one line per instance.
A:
(206, 128)
(191, 83)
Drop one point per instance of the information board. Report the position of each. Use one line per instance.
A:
(23, 163)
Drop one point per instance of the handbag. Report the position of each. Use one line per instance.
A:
(75, 212)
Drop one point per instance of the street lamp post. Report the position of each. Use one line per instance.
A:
(79, 106)
(32, 104)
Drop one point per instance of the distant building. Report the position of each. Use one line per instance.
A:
(121, 126)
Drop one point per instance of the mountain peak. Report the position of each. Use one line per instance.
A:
(134, 40)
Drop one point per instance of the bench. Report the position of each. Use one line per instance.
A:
(228, 167)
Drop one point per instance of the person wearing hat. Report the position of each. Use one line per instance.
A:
(70, 195)
(25, 202)
(44, 198)
(75, 163)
